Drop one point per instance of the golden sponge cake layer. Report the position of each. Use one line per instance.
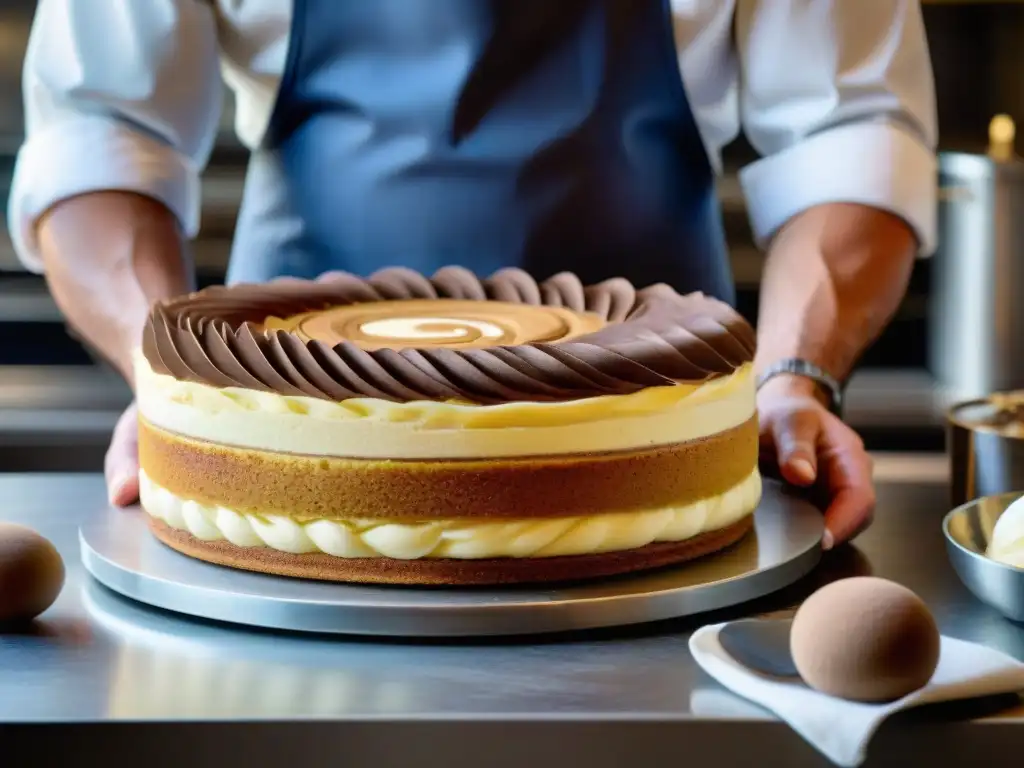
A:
(311, 487)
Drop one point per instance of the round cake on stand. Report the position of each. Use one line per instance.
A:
(447, 430)
(507, 443)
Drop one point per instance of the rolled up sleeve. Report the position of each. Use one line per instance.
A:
(838, 98)
(118, 96)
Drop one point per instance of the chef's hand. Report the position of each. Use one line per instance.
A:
(809, 446)
(121, 464)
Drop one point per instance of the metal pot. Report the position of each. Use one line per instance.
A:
(976, 329)
(986, 446)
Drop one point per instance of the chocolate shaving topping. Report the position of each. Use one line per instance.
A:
(651, 337)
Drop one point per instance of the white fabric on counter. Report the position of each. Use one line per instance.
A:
(842, 730)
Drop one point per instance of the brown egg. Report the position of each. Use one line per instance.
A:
(865, 639)
(31, 573)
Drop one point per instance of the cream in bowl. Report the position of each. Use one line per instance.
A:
(1006, 541)
(985, 545)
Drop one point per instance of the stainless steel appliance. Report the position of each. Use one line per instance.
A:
(976, 343)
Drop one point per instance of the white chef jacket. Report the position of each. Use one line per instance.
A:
(836, 95)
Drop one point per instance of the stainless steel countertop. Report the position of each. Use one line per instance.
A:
(172, 691)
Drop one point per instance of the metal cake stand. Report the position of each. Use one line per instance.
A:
(119, 551)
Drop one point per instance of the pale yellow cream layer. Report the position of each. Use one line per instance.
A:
(461, 540)
(379, 429)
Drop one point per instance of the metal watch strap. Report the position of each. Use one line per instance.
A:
(795, 366)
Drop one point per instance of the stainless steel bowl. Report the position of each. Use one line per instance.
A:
(986, 446)
(968, 529)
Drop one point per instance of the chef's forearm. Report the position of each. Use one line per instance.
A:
(108, 256)
(834, 277)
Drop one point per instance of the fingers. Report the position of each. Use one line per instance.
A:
(846, 470)
(121, 464)
(795, 435)
(333, 276)
(813, 447)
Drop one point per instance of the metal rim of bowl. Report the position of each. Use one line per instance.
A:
(1013, 495)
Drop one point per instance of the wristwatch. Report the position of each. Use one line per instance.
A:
(795, 366)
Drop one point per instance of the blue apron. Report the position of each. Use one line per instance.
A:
(546, 134)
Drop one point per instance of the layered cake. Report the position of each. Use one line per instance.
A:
(447, 430)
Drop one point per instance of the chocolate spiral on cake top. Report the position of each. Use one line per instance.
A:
(451, 323)
(401, 336)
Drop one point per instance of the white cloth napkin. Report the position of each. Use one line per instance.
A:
(841, 730)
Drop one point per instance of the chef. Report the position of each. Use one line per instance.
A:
(580, 135)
